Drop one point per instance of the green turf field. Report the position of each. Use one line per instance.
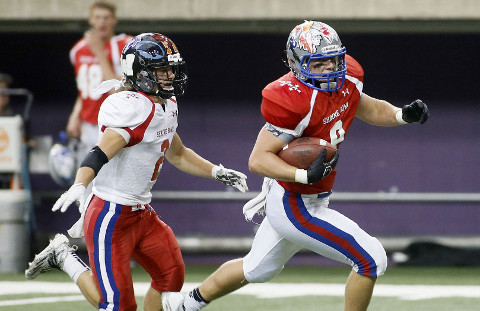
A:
(296, 288)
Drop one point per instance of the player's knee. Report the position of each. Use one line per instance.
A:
(376, 263)
(261, 275)
(381, 260)
(382, 266)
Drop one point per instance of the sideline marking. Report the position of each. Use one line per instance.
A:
(263, 291)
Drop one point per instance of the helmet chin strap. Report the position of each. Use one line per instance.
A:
(162, 93)
(330, 85)
(326, 85)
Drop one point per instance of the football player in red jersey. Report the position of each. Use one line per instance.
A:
(319, 97)
(95, 58)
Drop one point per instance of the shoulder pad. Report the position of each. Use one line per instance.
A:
(354, 69)
(124, 109)
(286, 102)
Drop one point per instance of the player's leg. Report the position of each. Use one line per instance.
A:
(227, 278)
(110, 242)
(60, 255)
(308, 222)
(358, 291)
(159, 254)
(266, 259)
(86, 283)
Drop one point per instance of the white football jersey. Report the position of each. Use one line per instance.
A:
(130, 175)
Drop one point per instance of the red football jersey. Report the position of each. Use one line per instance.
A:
(291, 105)
(89, 74)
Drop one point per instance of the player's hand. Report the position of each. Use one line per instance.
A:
(320, 169)
(95, 42)
(417, 111)
(74, 127)
(230, 177)
(75, 193)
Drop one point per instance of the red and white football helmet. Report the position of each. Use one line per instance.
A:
(315, 40)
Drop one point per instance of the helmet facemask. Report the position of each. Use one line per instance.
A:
(148, 83)
(328, 81)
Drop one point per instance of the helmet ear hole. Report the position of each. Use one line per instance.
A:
(285, 58)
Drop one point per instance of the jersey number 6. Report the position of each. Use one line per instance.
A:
(337, 133)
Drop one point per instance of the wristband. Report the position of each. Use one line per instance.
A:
(301, 176)
(399, 118)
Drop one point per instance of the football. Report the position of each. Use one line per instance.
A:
(302, 151)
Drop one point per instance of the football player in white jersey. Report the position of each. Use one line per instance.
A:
(137, 132)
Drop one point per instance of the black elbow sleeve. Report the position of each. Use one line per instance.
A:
(95, 159)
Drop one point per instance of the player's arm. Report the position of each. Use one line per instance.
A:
(110, 143)
(264, 160)
(382, 113)
(74, 124)
(188, 161)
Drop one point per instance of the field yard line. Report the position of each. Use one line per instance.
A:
(40, 300)
(266, 290)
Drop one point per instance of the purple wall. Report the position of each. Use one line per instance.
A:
(435, 157)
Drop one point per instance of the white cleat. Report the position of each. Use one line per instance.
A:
(52, 257)
(172, 301)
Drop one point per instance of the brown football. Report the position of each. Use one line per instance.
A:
(302, 151)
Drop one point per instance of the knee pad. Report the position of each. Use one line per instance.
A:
(261, 275)
(376, 265)
(381, 260)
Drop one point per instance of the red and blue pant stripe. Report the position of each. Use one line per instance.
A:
(328, 234)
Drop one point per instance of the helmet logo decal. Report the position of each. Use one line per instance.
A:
(308, 36)
(131, 43)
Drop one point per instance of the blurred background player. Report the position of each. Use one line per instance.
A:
(319, 97)
(138, 131)
(5, 82)
(95, 58)
(5, 111)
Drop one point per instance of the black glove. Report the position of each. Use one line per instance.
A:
(417, 111)
(319, 169)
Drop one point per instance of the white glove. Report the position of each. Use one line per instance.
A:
(230, 177)
(75, 193)
(258, 203)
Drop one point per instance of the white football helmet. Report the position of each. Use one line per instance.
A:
(63, 163)
(315, 40)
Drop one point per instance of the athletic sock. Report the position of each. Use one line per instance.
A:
(74, 266)
(194, 301)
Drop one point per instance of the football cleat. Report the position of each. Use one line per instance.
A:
(52, 257)
(172, 301)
